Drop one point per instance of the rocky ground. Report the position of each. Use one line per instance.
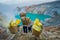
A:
(45, 35)
(28, 36)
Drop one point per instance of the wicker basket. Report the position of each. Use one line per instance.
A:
(36, 33)
(13, 30)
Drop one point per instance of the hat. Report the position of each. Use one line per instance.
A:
(22, 14)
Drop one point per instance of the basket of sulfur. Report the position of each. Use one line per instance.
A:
(37, 28)
(13, 27)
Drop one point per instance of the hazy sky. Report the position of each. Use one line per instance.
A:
(24, 1)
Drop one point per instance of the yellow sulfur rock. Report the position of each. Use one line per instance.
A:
(18, 21)
(37, 25)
